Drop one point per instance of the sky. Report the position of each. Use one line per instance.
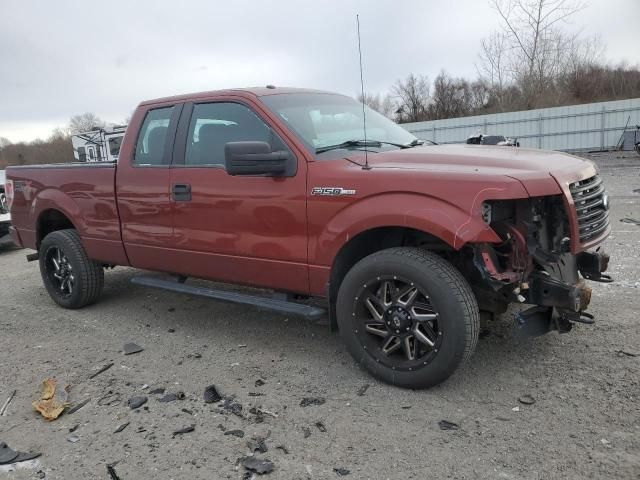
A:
(61, 58)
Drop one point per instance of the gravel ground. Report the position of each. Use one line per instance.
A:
(585, 422)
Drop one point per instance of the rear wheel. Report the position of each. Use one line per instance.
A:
(70, 277)
(408, 316)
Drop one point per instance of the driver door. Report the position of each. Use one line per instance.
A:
(240, 229)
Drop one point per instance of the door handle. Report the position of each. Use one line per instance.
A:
(181, 192)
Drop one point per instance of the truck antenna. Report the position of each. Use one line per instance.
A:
(364, 116)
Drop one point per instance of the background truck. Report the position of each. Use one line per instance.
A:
(277, 188)
(98, 145)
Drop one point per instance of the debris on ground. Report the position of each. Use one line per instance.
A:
(320, 426)
(73, 439)
(78, 406)
(110, 399)
(171, 330)
(211, 394)
(526, 399)
(74, 428)
(341, 472)
(112, 472)
(235, 433)
(49, 406)
(136, 402)
(8, 455)
(172, 397)
(186, 410)
(306, 431)
(101, 370)
(188, 429)
(255, 394)
(627, 353)
(632, 221)
(131, 348)
(257, 444)
(447, 425)
(257, 465)
(6, 403)
(306, 401)
(283, 448)
(260, 413)
(259, 382)
(233, 407)
(121, 427)
(363, 389)
(157, 391)
(515, 409)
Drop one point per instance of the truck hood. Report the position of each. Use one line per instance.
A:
(540, 171)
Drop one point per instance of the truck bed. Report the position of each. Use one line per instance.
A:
(83, 192)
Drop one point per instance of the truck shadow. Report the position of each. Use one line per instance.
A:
(502, 357)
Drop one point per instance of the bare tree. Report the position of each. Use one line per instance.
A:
(413, 98)
(84, 123)
(451, 97)
(532, 47)
(4, 142)
(493, 67)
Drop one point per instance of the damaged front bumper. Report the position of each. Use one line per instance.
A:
(559, 295)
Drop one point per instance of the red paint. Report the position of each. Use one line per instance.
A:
(271, 232)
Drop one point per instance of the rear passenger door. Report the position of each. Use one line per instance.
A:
(142, 186)
(236, 228)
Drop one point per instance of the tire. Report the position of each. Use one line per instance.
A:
(84, 277)
(437, 319)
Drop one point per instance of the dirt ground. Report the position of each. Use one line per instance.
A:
(585, 422)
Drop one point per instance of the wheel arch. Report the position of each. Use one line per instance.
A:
(371, 241)
(51, 220)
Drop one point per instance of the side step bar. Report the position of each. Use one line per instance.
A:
(282, 306)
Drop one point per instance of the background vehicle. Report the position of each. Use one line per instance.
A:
(5, 216)
(99, 145)
(277, 189)
(481, 139)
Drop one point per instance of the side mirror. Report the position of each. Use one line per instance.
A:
(254, 158)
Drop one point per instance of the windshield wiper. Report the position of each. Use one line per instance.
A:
(348, 144)
(368, 143)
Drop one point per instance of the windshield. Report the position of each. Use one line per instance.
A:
(324, 120)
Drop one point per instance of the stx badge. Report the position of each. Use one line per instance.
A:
(332, 191)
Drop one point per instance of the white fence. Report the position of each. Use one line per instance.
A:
(592, 126)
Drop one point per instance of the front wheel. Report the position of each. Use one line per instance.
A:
(70, 277)
(408, 316)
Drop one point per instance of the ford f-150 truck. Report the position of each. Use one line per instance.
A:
(283, 189)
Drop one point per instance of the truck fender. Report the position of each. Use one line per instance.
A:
(436, 217)
(53, 199)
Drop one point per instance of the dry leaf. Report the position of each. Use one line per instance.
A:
(49, 409)
(48, 389)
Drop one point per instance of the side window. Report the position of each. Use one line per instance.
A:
(82, 155)
(214, 124)
(151, 138)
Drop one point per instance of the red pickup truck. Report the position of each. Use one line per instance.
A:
(277, 188)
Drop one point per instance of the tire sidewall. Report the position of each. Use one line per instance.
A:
(451, 319)
(59, 240)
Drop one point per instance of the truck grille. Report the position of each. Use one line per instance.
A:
(593, 215)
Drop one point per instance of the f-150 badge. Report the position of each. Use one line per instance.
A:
(332, 191)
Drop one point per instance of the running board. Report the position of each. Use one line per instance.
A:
(282, 306)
